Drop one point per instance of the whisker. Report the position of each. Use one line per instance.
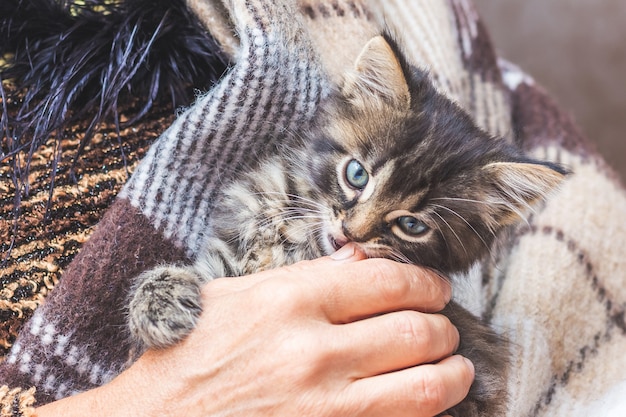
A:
(469, 200)
(302, 217)
(388, 252)
(309, 229)
(299, 210)
(452, 230)
(443, 235)
(307, 200)
(511, 207)
(489, 249)
(466, 222)
(292, 198)
(399, 256)
(267, 220)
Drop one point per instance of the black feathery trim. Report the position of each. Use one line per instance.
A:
(72, 60)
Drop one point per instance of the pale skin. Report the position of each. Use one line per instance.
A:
(337, 336)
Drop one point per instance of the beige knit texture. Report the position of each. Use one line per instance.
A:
(562, 302)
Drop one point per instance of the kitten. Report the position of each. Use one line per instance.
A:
(392, 165)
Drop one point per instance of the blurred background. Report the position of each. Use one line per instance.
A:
(577, 50)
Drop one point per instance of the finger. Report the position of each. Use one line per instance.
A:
(422, 391)
(348, 287)
(373, 286)
(394, 341)
(347, 254)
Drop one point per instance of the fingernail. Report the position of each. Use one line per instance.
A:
(345, 252)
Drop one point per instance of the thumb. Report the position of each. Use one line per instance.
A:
(348, 253)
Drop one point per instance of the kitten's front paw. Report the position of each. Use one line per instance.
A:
(165, 306)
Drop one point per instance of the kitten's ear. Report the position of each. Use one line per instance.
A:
(378, 74)
(514, 188)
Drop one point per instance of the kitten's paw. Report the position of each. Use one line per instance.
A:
(165, 305)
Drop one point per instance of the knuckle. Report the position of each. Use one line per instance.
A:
(413, 326)
(430, 391)
(283, 294)
(314, 357)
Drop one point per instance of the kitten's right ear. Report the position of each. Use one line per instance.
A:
(514, 188)
(378, 74)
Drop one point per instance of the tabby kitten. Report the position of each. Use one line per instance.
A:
(392, 165)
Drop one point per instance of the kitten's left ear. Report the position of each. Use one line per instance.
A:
(378, 74)
(515, 187)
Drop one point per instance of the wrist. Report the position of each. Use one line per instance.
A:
(136, 392)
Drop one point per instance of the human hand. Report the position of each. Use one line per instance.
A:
(329, 337)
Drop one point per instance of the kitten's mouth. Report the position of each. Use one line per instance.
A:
(337, 242)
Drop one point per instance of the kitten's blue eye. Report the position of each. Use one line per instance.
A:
(356, 175)
(411, 226)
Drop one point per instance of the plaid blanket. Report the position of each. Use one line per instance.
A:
(556, 290)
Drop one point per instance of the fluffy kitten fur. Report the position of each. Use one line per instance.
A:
(392, 165)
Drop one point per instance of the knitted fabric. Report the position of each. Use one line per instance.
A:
(556, 289)
(16, 402)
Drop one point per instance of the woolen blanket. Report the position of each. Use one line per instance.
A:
(556, 289)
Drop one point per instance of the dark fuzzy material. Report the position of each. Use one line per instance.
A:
(69, 61)
(98, 319)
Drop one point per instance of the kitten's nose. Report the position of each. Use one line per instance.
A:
(358, 232)
(346, 232)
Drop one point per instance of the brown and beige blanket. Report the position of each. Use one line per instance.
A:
(557, 290)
